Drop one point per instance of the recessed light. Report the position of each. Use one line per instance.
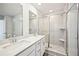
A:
(50, 10)
(39, 3)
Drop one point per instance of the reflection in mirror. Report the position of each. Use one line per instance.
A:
(10, 20)
(2, 28)
(32, 23)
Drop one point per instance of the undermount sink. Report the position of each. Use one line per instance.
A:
(15, 44)
(22, 40)
(5, 45)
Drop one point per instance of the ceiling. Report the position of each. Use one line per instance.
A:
(15, 8)
(45, 7)
(10, 9)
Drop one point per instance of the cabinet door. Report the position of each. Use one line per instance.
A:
(38, 48)
(42, 46)
(28, 51)
(32, 53)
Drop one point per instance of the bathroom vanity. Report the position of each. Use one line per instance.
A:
(12, 40)
(28, 46)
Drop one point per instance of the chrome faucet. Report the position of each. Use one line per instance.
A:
(14, 39)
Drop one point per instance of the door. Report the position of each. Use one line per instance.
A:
(72, 31)
(2, 29)
(51, 29)
(55, 34)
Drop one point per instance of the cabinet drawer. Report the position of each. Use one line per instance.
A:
(42, 46)
(27, 51)
(38, 45)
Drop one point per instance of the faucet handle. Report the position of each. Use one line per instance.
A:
(14, 35)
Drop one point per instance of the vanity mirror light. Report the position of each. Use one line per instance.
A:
(33, 23)
(11, 20)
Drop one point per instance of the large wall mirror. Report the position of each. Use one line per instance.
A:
(11, 20)
(33, 23)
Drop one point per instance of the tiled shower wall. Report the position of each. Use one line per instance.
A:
(52, 25)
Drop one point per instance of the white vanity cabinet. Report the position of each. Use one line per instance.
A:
(37, 49)
(42, 46)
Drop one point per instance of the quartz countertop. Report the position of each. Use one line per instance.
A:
(17, 47)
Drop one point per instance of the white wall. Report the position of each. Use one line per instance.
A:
(13, 25)
(2, 28)
(43, 25)
(17, 25)
(72, 31)
(25, 19)
(9, 26)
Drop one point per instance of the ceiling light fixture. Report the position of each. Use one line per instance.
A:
(50, 10)
(39, 3)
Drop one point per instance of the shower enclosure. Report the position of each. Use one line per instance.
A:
(57, 31)
(62, 30)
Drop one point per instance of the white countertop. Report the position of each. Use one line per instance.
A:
(17, 47)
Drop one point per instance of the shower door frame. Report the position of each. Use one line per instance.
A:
(49, 31)
(67, 31)
(78, 29)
